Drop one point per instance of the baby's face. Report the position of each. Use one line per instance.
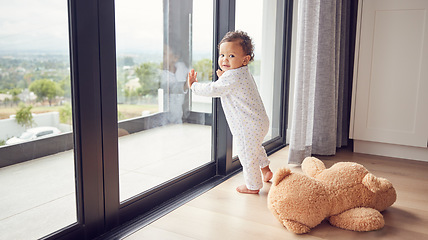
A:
(232, 56)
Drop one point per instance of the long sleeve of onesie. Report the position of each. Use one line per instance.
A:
(219, 88)
(246, 116)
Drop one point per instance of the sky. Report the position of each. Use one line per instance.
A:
(27, 25)
(30, 25)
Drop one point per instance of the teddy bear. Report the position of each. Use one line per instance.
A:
(346, 194)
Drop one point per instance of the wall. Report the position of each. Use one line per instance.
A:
(389, 113)
(11, 128)
(16, 153)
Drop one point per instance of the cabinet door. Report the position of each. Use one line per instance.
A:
(392, 73)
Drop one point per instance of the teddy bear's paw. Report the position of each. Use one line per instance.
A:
(295, 227)
(359, 219)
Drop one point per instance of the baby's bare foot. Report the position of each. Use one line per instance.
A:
(244, 189)
(267, 174)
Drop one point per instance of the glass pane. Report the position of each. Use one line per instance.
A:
(37, 179)
(261, 27)
(164, 132)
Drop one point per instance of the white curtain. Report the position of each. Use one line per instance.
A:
(320, 118)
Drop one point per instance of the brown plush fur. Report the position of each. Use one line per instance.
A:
(347, 194)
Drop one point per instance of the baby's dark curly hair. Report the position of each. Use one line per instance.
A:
(243, 38)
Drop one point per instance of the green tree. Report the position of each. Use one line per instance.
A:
(46, 89)
(15, 92)
(204, 67)
(65, 85)
(149, 75)
(65, 114)
(24, 117)
(128, 61)
(6, 101)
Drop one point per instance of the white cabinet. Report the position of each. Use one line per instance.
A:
(390, 92)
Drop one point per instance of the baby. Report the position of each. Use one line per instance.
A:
(242, 106)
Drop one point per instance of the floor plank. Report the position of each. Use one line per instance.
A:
(222, 213)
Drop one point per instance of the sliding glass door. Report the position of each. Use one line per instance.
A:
(164, 131)
(37, 174)
(266, 28)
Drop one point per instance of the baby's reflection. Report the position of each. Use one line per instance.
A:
(173, 83)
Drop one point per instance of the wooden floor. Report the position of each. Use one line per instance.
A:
(222, 213)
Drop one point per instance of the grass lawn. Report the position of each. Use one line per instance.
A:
(5, 112)
(130, 111)
(125, 110)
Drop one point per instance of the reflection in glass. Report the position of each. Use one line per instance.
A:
(164, 131)
(37, 179)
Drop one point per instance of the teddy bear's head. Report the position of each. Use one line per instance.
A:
(384, 194)
(346, 193)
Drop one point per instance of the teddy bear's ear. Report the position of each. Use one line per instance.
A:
(280, 175)
(372, 182)
(312, 166)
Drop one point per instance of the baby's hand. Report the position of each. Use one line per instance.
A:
(192, 78)
(219, 73)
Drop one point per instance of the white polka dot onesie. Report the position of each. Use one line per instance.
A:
(246, 117)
